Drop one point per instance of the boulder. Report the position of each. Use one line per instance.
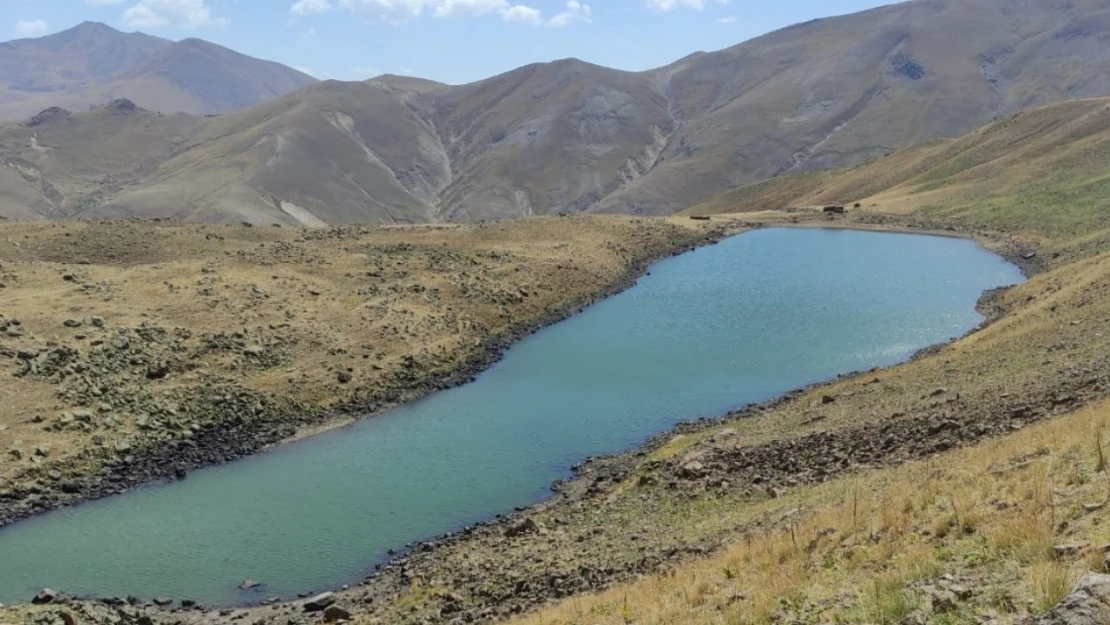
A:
(46, 595)
(249, 584)
(319, 602)
(693, 470)
(527, 526)
(335, 613)
(1088, 604)
(162, 601)
(1071, 549)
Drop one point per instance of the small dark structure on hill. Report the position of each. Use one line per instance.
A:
(834, 209)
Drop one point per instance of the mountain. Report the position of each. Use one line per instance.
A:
(1042, 170)
(573, 136)
(92, 64)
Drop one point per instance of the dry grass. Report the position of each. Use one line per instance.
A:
(877, 547)
(388, 305)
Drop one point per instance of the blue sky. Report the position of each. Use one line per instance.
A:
(453, 41)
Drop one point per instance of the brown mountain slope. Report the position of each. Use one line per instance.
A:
(1042, 170)
(571, 136)
(836, 92)
(92, 64)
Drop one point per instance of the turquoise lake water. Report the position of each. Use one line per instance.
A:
(711, 330)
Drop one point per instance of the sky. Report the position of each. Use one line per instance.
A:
(452, 41)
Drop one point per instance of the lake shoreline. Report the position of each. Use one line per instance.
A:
(572, 489)
(230, 442)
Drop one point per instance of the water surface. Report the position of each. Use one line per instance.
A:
(708, 331)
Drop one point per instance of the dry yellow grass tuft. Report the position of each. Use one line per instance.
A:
(1001, 530)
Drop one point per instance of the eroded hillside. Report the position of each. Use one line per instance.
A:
(569, 136)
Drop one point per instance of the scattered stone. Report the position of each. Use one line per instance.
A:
(944, 601)
(319, 602)
(335, 613)
(527, 526)
(27, 353)
(157, 371)
(46, 595)
(693, 470)
(1088, 604)
(162, 601)
(344, 377)
(249, 584)
(1071, 549)
(72, 323)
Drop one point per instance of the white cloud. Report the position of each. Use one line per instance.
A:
(727, 20)
(309, 7)
(522, 13)
(395, 11)
(670, 5)
(305, 70)
(387, 10)
(32, 28)
(179, 13)
(576, 12)
(469, 8)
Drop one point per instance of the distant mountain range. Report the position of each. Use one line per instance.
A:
(552, 137)
(92, 64)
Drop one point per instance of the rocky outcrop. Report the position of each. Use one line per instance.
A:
(1088, 604)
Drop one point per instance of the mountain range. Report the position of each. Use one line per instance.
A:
(92, 64)
(553, 137)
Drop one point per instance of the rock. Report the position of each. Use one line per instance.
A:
(1088, 604)
(27, 353)
(188, 603)
(344, 377)
(692, 470)
(144, 620)
(72, 323)
(157, 371)
(319, 602)
(46, 595)
(67, 618)
(527, 526)
(944, 601)
(181, 474)
(1071, 549)
(335, 613)
(248, 584)
(96, 322)
(827, 399)
(162, 601)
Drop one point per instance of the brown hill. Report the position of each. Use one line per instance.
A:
(572, 136)
(92, 64)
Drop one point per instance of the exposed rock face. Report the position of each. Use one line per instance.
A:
(1089, 604)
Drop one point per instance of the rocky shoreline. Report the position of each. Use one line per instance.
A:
(772, 464)
(227, 441)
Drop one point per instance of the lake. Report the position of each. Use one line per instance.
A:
(711, 330)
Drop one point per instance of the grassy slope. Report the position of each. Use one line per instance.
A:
(953, 537)
(878, 546)
(794, 534)
(272, 314)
